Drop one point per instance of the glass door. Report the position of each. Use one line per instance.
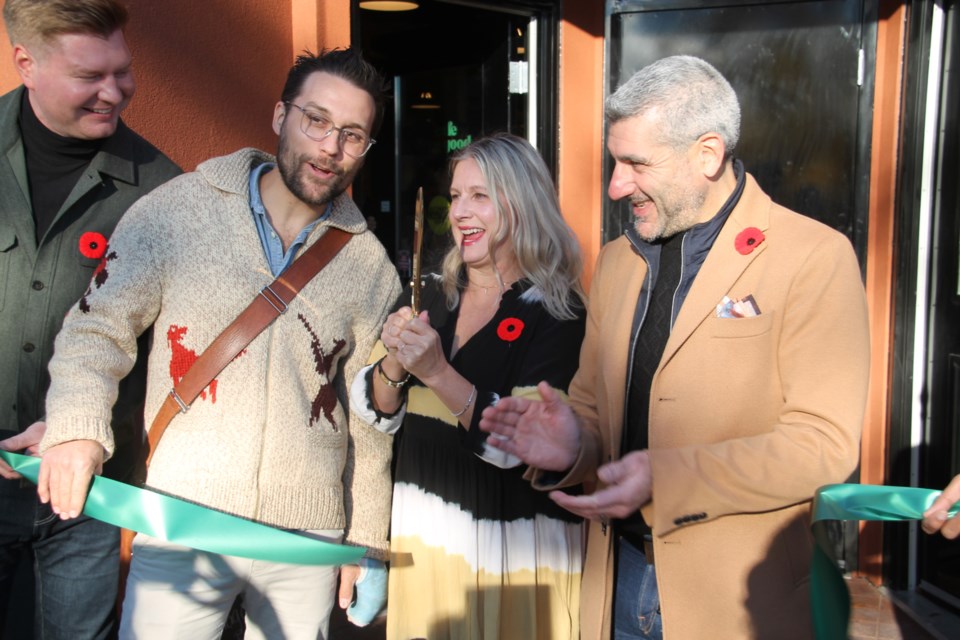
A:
(800, 71)
(939, 559)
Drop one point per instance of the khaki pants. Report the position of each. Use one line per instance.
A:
(177, 592)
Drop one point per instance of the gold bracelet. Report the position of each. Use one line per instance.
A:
(390, 382)
(473, 394)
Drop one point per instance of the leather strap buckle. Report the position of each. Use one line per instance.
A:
(184, 407)
(274, 300)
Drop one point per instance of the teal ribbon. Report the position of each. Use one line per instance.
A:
(829, 598)
(195, 526)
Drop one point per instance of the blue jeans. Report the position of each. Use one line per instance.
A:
(75, 566)
(636, 613)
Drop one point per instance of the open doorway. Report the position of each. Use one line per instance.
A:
(459, 70)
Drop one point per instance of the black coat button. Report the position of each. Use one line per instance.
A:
(28, 347)
(37, 285)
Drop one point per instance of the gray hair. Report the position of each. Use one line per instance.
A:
(689, 98)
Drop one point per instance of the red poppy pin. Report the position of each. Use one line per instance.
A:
(93, 245)
(510, 329)
(748, 240)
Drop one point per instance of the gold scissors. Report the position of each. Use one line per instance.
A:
(415, 283)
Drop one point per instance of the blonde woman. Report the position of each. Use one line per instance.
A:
(476, 553)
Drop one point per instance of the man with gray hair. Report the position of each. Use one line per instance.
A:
(69, 169)
(722, 379)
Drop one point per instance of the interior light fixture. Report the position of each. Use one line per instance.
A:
(388, 5)
(425, 101)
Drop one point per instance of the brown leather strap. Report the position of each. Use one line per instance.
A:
(265, 308)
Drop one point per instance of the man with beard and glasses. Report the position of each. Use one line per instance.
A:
(270, 439)
(722, 380)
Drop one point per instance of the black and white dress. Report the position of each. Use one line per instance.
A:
(476, 553)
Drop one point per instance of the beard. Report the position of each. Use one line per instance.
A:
(678, 209)
(298, 179)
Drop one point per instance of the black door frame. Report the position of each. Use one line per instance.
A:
(936, 456)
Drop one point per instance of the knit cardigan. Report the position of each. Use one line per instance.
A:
(270, 438)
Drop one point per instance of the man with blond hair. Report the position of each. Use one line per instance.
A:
(69, 169)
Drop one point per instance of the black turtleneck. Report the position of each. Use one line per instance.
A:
(54, 164)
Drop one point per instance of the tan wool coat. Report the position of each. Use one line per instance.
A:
(748, 416)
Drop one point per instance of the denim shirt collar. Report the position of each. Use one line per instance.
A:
(272, 247)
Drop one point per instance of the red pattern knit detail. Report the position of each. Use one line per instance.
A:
(100, 275)
(326, 399)
(182, 358)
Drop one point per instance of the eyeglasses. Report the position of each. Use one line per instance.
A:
(318, 127)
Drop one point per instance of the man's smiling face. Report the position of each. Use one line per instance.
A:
(78, 83)
(665, 192)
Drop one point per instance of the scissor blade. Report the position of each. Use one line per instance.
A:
(415, 283)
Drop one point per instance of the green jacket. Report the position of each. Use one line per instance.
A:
(41, 278)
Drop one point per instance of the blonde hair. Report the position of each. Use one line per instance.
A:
(40, 21)
(547, 253)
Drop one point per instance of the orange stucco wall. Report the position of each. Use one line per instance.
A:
(209, 73)
(891, 34)
(579, 177)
